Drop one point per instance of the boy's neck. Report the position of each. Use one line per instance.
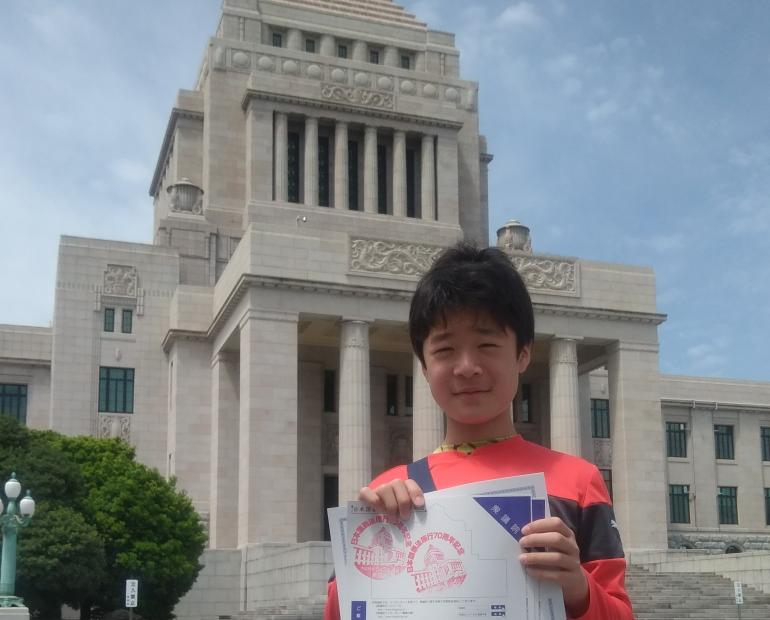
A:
(501, 426)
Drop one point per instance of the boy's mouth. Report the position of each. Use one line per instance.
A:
(470, 391)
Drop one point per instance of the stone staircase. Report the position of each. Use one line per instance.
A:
(682, 596)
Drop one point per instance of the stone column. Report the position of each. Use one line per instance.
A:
(341, 165)
(703, 509)
(327, 45)
(427, 417)
(448, 167)
(428, 179)
(399, 174)
(311, 161)
(267, 433)
(259, 151)
(584, 398)
(224, 452)
(565, 406)
(391, 57)
(355, 459)
(638, 454)
(294, 39)
(281, 157)
(359, 51)
(370, 170)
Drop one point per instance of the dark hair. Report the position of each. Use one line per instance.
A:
(465, 277)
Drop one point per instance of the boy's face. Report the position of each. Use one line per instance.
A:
(472, 367)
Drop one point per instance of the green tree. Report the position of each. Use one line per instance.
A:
(151, 530)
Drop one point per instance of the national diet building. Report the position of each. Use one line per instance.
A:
(257, 350)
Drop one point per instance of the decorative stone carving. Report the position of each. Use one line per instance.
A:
(338, 75)
(219, 57)
(513, 236)
(241, 60)
(290, 67)
(719, 543)
(603, 453)
(265, 63)
(430, 90)
(361, 79)
(358, 96)
(547, 274)
(384, 83)
(115, 426)
(389, 257)
(186, 197)
(331, 444)
(452, 95)
(315, 72)
(407, 87)
(120, 281)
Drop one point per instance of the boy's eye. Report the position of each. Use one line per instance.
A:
(442, 351)
(489, 345)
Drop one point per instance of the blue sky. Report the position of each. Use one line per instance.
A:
(633, 132)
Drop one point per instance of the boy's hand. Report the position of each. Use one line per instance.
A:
(556, 559)
(395, 498)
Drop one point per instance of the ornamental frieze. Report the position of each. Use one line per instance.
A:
(120, 280)
(391, 257)
(547, 274)
(112, 426)
(358, 96)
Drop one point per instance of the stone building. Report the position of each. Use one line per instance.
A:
(257, 348)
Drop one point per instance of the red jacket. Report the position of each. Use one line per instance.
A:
(576, 494)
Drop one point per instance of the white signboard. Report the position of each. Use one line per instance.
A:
(738, 592)
(132, 592)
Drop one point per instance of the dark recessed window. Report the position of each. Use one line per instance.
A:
(607, 477)
(323, 171)
(293, 166)
(109, 319)
(391, 394)
(406, 61)
(116, 390)
(310, 45)
(126, 321)
(277, 39)
(342, 51)
(600, 418)
(767, 506)
(353, 175)
(408, 395)
(374, 57)
(525, 404)
(330, 390)
(676, 440)
(411, 185)
(764, 433)
(13, 401)
(382, 179)
(679, 503)
(727, 505)
(723, 442)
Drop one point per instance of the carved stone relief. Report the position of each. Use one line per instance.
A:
(603, 453)
(120, 280)
(111, 426)
(358, 96)
(390, 257)
(547, 274)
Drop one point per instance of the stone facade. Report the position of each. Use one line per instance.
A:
(327, 153)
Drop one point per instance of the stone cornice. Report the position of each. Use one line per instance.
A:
(174, 335)
(602, 314)
(165, 149)
(336, 106)
(712, 405)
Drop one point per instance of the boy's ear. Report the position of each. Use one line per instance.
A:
(524, 358)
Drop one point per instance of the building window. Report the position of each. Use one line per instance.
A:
(408, 395)
(607, 477)
(310, 45)
(293, 165)
(406, 61)
(126, 321)
(600, 418)
(116, 390)
(679, 503)
(676, 440)
(727, 505)
(391, 394)
(323, 171)
(764, 433)
(382, 179)
(353, 175)
(109, 319)
(723, 441)
(342, 51)
(13, 401)
(330, 390)
(767, 506)
(411, 203)
(525, 404)
(374, 57)
(277, 39)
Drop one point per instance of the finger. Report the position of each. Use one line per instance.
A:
(415, 492)
(549, 524)
(403, 499)
(548, 560)
(371, 499)
(389, 500)
(553, 540)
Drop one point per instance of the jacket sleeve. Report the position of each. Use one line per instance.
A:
(601, 555)
(332, 607)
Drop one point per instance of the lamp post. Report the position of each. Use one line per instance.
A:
(13, 519)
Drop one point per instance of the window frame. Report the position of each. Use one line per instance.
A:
(607, 478)
(310, 42)
(764, 438)
(343, 51)
(406, 62)
(116, 389)
(126, 321)
(19, 400)
(724, 442)
(679, 503)
(276, 38)
(767, 506)
(600, 419)
(391, 394)
(727, 505)
(375, 56)
(108, 320)
(676, 438)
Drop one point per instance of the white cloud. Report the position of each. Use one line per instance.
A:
(522, 14)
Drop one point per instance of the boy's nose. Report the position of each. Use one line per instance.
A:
(467, 365)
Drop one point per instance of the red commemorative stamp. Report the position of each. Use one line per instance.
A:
(380, 545)
(434, 561)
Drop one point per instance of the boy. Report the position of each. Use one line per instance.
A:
(471, 324)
